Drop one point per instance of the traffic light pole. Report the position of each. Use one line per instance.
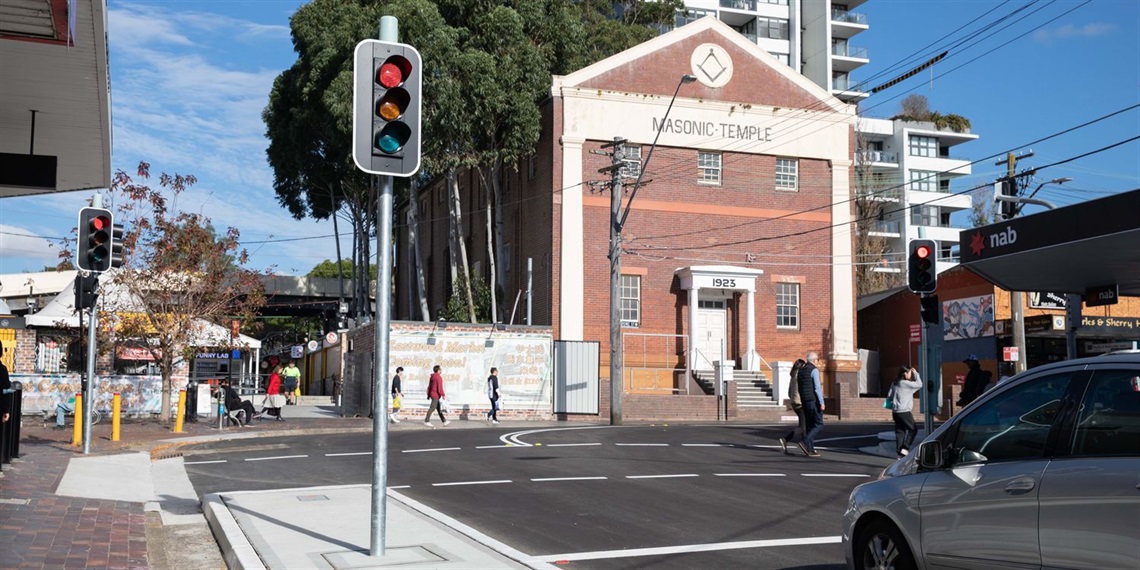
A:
(389, 32)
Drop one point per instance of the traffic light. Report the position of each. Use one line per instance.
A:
(85, 286)
(921, 270)
(117, 245)
(930, 310)
(386, 107)
(93, 250)
(1008, 209)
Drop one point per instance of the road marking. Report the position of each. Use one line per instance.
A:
(642, 444)
(435, 449)
(494, 446)
(570, 444)
(834, 475)
(702, 445)
(750, 474)
(277, 457)
(848, 437)
(545, 479)
(661, 476)
(687, 548)
(203, 462)
(452, 484)
(348, 454)
(400, 487)
(514, 436)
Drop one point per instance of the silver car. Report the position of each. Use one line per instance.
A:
(1042, 471)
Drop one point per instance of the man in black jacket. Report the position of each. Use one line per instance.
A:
(811, 398)
(235, 403)
(976, 380)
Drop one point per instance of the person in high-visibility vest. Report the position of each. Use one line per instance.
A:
(291, 382)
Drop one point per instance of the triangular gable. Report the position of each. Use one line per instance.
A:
(757, 76)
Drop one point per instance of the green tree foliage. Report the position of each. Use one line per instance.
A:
(183, 282)
(328, 269)
(456, 309)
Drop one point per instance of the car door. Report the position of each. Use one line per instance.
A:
(1090, 500)
(980, 510)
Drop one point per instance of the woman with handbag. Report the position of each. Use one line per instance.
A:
(397, 396)
(901, 398)
(274, 399)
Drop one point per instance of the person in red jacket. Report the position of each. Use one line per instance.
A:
(435, 394)
(274, 399)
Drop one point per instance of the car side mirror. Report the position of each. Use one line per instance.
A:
(930, 454)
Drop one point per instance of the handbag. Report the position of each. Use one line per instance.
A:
(887, 403)
(444, 405)
(397, 402)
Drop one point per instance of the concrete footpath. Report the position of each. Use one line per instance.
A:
(130, 504)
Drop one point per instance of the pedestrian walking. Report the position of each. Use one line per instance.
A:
(493, 395)
(976, 381)
(5, 384)
(811, 397)
(274, 399)
(397, 396)
(436, 394)
(796, 405)
(906, 383)
(291, 382)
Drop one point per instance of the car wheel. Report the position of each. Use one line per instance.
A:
(882, 547)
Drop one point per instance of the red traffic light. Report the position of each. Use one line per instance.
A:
(923, 251)
(393, 71)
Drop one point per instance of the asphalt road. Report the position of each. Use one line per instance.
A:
(718, 496)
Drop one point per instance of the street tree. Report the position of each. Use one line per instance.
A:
(183, 282)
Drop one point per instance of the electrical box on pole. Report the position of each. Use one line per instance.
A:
(386, 107)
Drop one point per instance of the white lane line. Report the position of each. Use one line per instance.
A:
(750, 474)
(570, 444)
(203, 462)
(834, 475)
(277, 457)
(452, 484)
(868, 436)
(686, 548)
(348, 454)
(400, 487)
(702, 445)
(435, 449)
(545, 479)
(661, 476)
(642, 444)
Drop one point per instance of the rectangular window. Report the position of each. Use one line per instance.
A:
(631, 301)
(531, 168)
(772, 28)
(708, 167)
(787, 174)
(923, 146)
(923, 181)
(631, 162)
(787, 305)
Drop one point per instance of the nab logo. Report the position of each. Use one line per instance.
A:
(1006, 237)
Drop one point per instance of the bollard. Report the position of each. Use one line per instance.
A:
(77, 433)
(116, 402)
(181, 411)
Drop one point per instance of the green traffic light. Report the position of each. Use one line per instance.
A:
(393, 137)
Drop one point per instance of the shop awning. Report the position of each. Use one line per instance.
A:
(1067, 250)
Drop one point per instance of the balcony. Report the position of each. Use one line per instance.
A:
(844, 50)
(846, 24)
(881, 193)
(870, 156)
(885, 229)
(844, 16)
(749, 5)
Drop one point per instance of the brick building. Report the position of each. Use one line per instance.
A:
(738, 243)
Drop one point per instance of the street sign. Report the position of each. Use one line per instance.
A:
(1104, 295)
(916, 333)
(1046, 300)
(1009, 354)
(331, 338)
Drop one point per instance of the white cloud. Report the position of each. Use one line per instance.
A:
(1068, 31)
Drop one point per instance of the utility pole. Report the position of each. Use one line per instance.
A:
(616, 382)
(1016, 302)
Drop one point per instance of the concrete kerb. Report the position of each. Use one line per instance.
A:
(237, 551)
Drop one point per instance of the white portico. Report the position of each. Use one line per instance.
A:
(710, 288)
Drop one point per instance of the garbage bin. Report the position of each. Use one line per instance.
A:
(191, 413)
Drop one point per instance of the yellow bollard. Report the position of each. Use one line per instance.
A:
(116, 402)
(77, 433)
(181, 411)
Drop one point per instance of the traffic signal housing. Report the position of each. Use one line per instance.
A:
(386, 108)
(931, 310)
(118, 244)
(96, 241)
(921, 267)
(85, 290)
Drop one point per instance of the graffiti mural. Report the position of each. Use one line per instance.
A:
(972, 317)
(140, 394)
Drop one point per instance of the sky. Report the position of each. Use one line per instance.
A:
(189, 81)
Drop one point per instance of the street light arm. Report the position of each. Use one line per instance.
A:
(637, 183)
(1029, 199)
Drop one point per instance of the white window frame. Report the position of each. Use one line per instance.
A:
(709, 168)
(631, 161)
(920, 145)
(772, 28)
(787, 174)
(923, 181)
(788, 306)
(630, 301)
